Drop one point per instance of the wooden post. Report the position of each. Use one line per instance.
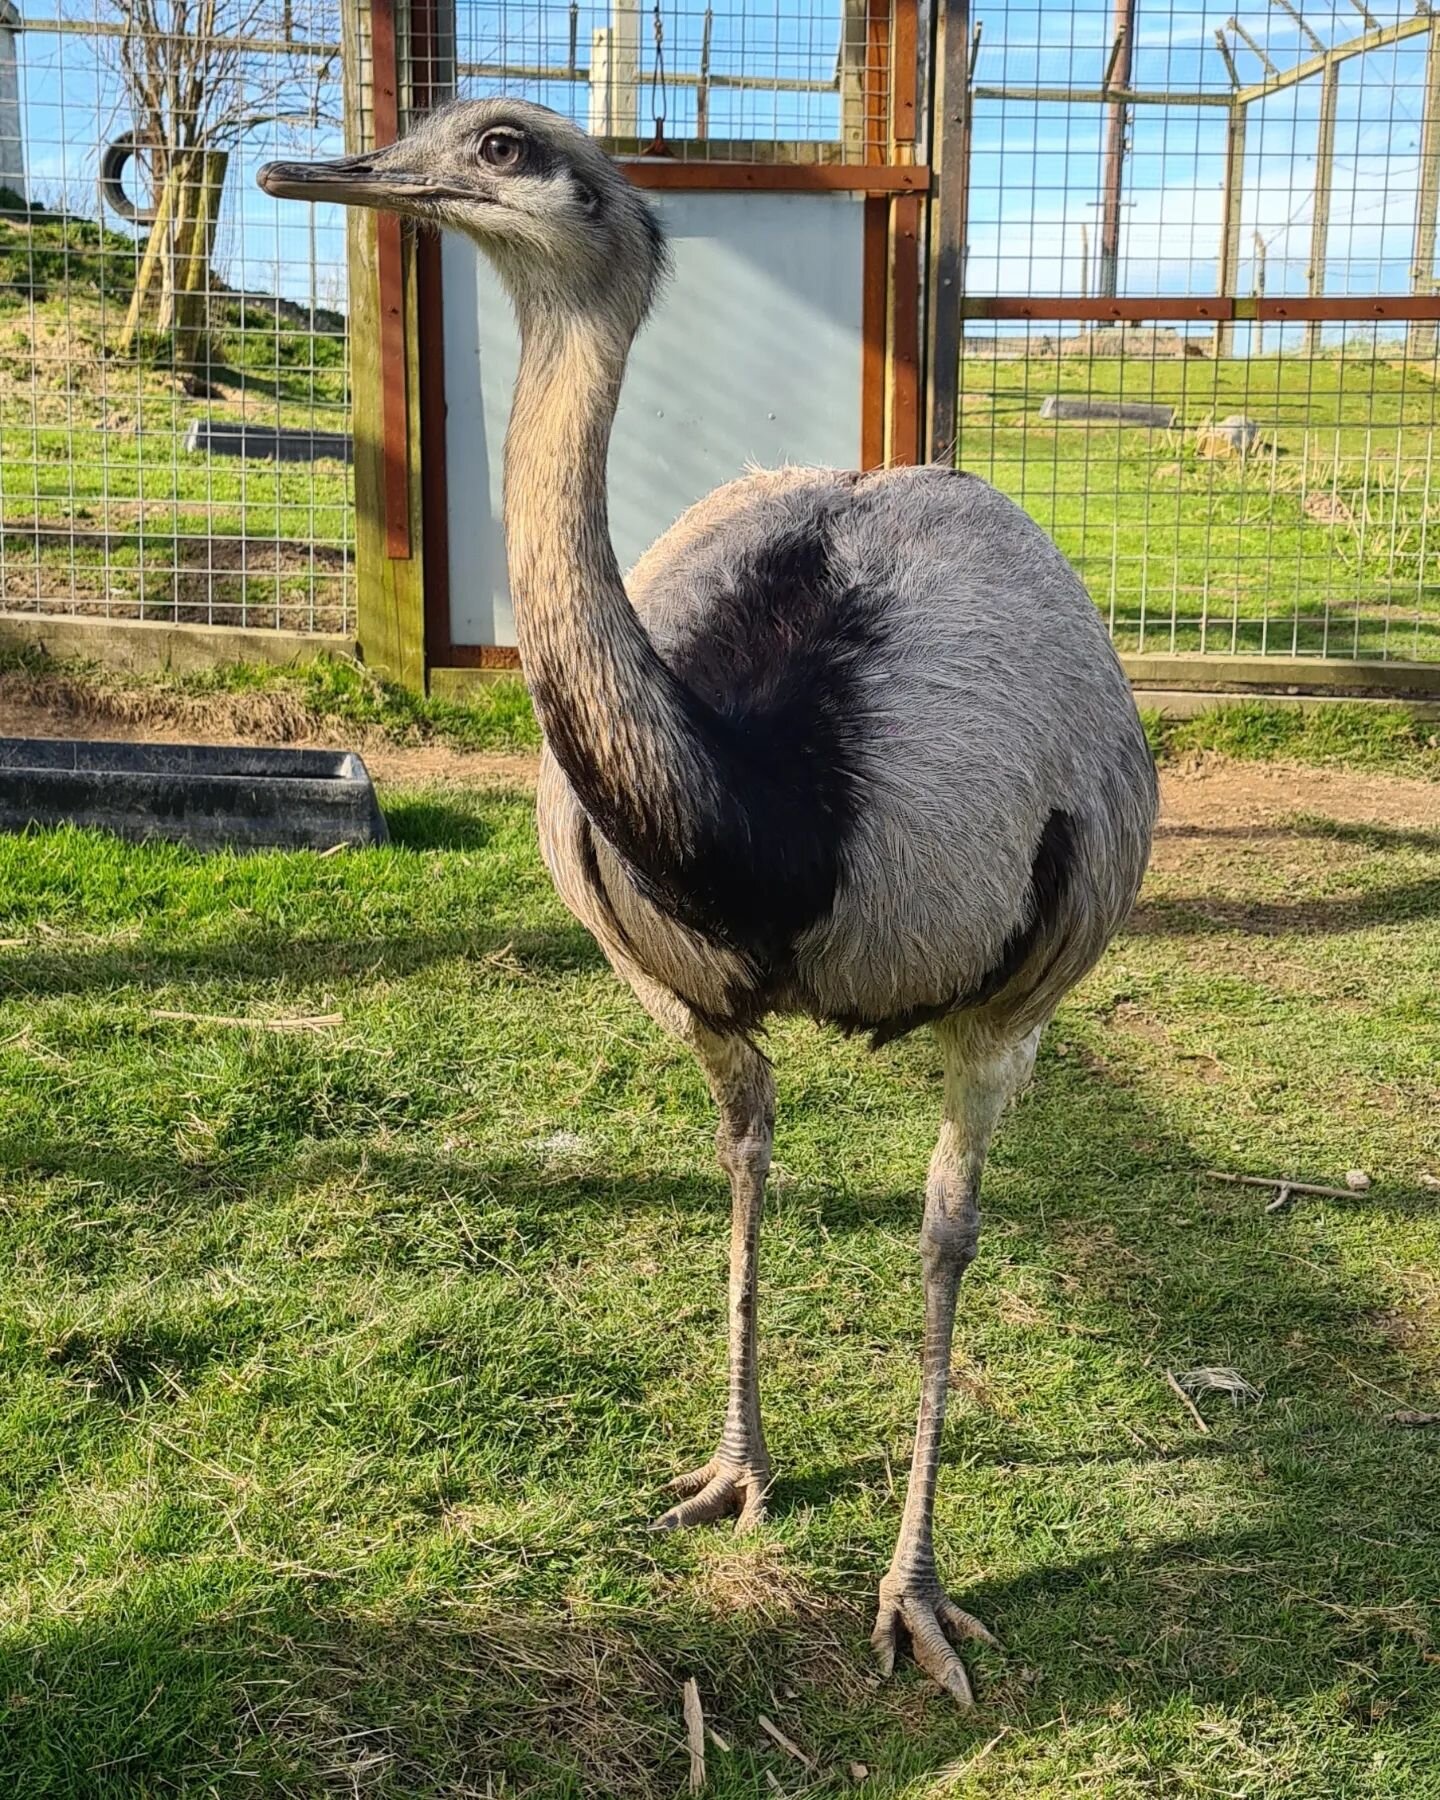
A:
(1229, 259)
(156, 248)
(1320, 215)
(702, 80)
(949, 216)
(615, 73)
(1427, 212)
(194, 251)
(1113, 187)
(1257, 289)
(389, 589)
(625, 67)
(602, 91)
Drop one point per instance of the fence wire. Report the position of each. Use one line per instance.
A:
(763, 80)
(174, 411)
(1256, 485)
(1278, 495)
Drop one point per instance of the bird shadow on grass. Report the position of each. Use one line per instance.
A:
(1366, 836)
(1307, 1568)
(1204, 914)
(272, 957)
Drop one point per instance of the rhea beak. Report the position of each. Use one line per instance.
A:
(350, 181)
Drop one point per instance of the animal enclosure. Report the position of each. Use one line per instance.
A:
(149, 292)
(1234, 221)
(1228, 220)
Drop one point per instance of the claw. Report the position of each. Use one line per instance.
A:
(923, 1615)
(710, 1492)
(966, 1623)
(692, 1480)
(882, 1639)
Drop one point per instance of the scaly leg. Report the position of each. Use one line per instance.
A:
(736, 1478)
(979, 1079)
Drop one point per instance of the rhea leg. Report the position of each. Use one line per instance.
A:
(980, 1077)
(736, 1478)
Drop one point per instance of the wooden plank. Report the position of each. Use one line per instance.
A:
(1231, 206)
(1069, 306)
(434, 486)
(1117, 133)
(457, 682)
(875, 288)
(949, 225)
(1190, 703)
(1396, 307)
(1351, 306)
(903, 447)
(810, 178)
(1427, 200)
(483, 656)
(1320, 210)
(905, 60)
(385, 124)
(1075, 96)
(149, 647)
(432, 28)
(389, 591)
(1357, 46)
(805, 151)
(1330, 674)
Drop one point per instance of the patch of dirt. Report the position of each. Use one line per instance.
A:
(1213, 788)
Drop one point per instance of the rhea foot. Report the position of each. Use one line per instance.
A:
(922, 1610)
(726, 1484)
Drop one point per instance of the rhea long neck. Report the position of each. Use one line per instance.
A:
(641, 751)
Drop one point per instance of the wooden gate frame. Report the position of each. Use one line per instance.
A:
(397, 327)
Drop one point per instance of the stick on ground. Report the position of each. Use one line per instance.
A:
(1281, 1182)
(695, 1734)
(788, 1745)
(1186, 1402)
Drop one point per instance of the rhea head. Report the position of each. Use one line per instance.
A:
(565, 230)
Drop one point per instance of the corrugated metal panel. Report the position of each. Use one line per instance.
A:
(752, 357)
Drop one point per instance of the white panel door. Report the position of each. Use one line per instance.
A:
(752, 356)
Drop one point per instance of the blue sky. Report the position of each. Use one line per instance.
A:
(1036, 173)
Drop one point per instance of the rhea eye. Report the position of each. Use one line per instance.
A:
(503, 150)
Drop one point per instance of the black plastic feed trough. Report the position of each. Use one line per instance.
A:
(211, 796)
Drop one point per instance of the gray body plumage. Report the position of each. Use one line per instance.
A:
(989, 699)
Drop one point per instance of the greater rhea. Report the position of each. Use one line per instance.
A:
(849, 745)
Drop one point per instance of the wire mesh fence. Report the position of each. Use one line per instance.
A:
(173, 391)
(763, 80)
(1236, 450)
(1226, 220)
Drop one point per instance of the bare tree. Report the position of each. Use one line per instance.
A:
(198, 76)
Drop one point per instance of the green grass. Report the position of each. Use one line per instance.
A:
(1322, 542)
(340, 1368)
(1334, 735)
(274, 701)
(99, 498)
